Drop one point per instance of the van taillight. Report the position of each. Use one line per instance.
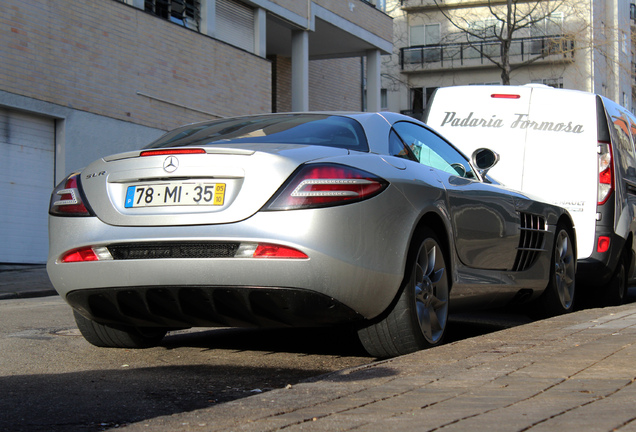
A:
(603, 244)
(505, 96)
(605, 172)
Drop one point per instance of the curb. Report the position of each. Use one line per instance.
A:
(28, 294)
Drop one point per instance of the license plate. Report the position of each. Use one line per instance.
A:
(175, 194)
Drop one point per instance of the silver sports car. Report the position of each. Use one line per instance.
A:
(371, 220)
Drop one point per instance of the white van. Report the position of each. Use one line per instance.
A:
(570, 148)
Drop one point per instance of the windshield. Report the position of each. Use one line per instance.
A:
(309, 129)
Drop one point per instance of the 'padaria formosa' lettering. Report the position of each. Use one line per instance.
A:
(451, 117)
(521, 122)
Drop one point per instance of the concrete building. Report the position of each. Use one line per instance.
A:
(83, 79)
(576, 44)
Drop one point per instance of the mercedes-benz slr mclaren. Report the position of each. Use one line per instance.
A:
(371, 220)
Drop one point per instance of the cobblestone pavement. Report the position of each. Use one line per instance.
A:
(573, 372)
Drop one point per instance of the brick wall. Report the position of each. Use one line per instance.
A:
(282, 75)
(334, 85)
(110, 59)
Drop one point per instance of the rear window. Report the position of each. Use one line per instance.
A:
(309, 129)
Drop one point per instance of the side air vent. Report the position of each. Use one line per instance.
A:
(531, 241)
(173, 250)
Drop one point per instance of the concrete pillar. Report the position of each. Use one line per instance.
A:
(373, 81)
(300, 70)
(260, 34)
(208, 17)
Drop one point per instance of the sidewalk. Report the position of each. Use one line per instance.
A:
(574, 372)
(24, 281)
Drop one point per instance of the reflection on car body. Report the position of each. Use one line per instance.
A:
(536, 128)
(296, 220)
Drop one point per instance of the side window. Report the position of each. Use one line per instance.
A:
(432, 150)
(398, 148)
(623, 124)
(632, 129)
(631, 163)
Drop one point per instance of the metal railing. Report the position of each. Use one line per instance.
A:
(476, 53)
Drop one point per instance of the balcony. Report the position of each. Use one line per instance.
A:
(474, 55)
(431, 5)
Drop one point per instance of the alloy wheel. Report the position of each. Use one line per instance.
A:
(431, 291)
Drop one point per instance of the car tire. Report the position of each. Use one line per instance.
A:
(615, 292)
(105, 336)
(558, 297)
(418, 318)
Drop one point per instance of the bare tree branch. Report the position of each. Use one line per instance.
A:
(511, 17)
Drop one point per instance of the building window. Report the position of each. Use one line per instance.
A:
(384, 99)
(551, 25)
(552, 82)
(482, 36)
(483, 30)
(235, 24)
(428, 34)
(378, 4)
(417, 102)
(183, 12)
(419, 99)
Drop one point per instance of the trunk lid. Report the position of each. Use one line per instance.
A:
(223, 184)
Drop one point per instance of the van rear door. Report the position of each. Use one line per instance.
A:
(561, 157)
(472, 117)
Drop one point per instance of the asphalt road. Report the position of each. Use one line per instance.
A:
(53, 380)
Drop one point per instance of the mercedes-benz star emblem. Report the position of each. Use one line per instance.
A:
(171, 164)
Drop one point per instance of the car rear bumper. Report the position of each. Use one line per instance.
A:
(349, 266)
(597, 269)
(209, 306)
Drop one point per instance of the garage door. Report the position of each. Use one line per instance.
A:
(27, 144)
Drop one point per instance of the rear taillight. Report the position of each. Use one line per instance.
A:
(66, 199)
(605, 172)
(86, 254)
(325, 185)
(266, 250)
(172, 152)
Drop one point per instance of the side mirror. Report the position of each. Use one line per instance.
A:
(484, 159)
